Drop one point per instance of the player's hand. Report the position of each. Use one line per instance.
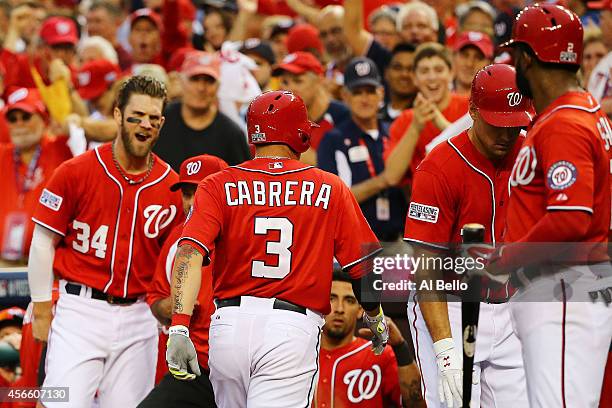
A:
(495, 269)
(181, 355)
(378, 326)
(424, 111)
(483, 255)
(42, 314)
(450, 372)
(395, 336)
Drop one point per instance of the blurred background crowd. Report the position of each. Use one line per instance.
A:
(386, 80)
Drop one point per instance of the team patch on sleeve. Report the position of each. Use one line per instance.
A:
(561, 175)
(50, 200)
(423, 212)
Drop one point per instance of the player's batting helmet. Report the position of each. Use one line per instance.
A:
(497, 99)
(554, 33)
(279, 117)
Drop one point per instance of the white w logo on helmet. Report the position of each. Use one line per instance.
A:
(514, 98)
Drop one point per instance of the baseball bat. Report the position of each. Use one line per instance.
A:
(470, 309)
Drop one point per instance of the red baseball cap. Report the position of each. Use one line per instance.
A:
(600, 5)
(497, 98)
(27, 100)
(196, 169)
(146, 13)
(201, 63)
(479, 40)
(304, 37)
(95, 77)
(298, 63)
(59, 30)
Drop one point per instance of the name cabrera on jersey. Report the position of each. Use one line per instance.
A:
(275, 227)
(111, 230)
(277, 193)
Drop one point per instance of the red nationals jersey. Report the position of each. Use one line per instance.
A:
(276, 225)
(456, 185)
(160, 289)
(111, 231)
(564, 165)
(356, 377)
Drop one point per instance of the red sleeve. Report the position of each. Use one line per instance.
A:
(567, 163)
(173, 34)
(160, 284)
(354, 241)
(56, 205)
(396, 131)
(391, 391)
(431, 212)
(204, 221)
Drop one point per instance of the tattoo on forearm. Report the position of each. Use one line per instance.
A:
(181, 269)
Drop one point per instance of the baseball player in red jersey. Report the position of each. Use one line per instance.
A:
(172, 392)
(352, 376)
(99, 220)
(560, 194)
(464, 180)
(275, 226)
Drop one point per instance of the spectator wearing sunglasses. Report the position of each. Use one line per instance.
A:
(25, 164)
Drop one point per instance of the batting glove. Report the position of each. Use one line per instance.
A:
(379, 327)
(450, 372)
(181, 354)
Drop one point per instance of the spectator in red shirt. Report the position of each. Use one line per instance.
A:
(26, 164)
(145, 37)
(435, 107)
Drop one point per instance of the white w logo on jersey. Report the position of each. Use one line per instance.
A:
(158, 218)
(524, 167)
(367, 383)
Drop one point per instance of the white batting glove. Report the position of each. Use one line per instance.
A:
(378, 326)
(181, 355)
(450, 372)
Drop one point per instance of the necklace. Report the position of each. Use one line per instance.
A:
(125, 177)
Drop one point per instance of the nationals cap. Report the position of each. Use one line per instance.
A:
(196, 169)
(27, 100)
(496, 96)
(475, 39)
(59, 30)
(96, 77)
(299, 63)
(201, 63)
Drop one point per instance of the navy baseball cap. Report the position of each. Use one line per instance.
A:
(361, 71)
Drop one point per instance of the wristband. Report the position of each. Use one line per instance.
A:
(443, 345)
(181, 319)
(403, 356)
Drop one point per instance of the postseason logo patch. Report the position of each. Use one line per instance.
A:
(423, 212)
(50, 200)
(561, 175)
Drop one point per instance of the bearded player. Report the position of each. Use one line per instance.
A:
(464, 180)
(560, 194)
(274, 225)
(99, 221)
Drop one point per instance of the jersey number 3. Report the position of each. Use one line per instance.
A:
(280, 248)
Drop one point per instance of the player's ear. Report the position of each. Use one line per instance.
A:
(117, 115)
(360, 313)
(473, 111)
